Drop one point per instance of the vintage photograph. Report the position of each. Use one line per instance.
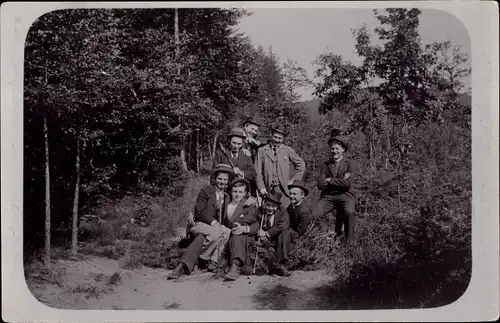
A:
(247, 159)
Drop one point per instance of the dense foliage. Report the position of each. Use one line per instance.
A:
(144, 108)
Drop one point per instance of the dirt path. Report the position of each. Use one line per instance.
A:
(84, 284)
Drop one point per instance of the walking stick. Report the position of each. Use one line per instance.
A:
(220, 224)
(258, 240)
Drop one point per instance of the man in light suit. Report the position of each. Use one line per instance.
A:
(335, 184)
(273, 166)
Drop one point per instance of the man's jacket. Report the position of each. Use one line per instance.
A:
(242, 161)
(243, 214)
(206, 209)
(280, 223)
(266, 162)
(341, 176)
(300, 217)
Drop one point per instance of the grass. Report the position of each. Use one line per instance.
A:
(100, 286)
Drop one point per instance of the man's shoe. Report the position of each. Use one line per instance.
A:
(233, 273)
(177, 272)
(282, 271)
(212, 266)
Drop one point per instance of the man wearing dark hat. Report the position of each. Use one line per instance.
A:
(275, 221)
(251, 143)
(241, 162)
(208, 214)
(273, 166)
(335, 185)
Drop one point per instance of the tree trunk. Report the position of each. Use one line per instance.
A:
(74, 229)
(214, 147)
(198, 153)
(183, 158)
(47, 196)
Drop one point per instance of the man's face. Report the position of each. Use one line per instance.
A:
(237, 193)
(336, 150)
(296, 195)
(277, 139)
(270, 207)
(251, 130)
(221, 181)
(236, 144)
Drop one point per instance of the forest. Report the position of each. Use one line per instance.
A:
(124, 106)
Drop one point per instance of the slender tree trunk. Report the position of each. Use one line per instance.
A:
(176, 35)
(388, 143)
(214, 147)
(47, 196)
(74, 230)
(198, 153)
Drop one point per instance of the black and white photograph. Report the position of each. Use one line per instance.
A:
(250, 158)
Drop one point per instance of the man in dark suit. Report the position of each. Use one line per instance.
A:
(335, 184)
(275, 221)
(240, 160)
(300, 215)
(208, 214)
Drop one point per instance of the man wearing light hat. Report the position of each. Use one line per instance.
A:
(241, 162)
(273, 166)
(335, 185)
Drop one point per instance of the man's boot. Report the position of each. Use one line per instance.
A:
(281, 270)
(177, 272)
(233, 273)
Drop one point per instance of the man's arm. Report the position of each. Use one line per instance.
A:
(200, 208)
(298, 163)
(345, 182)
(258, 169)
(322, 183)
(249, 172)
(279, 227)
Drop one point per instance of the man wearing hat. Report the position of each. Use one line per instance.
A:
(242, 163)
(208, 214)
(251, 144)
(273, 166)
(335, 185)
(300, 215)
(275, 221)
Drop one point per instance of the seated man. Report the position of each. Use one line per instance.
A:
(239, 216)
(275, 221)
(335, 184)
(208, 213)
(300, 215)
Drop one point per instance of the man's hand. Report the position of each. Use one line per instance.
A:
(263, 192)
(347, 175)
(328, 180)
(261, 233)
(246, 152)
(238, 172)
(214, 223)
(238, 229)
(250, 201)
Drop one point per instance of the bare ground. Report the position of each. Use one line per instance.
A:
(84, 283)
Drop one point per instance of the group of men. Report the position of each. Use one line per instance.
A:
(253, 194)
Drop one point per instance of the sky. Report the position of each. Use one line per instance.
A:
(303, 34)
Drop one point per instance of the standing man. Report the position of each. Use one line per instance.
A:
(241, 162)
(273, 166)
(251, 144)
(335, 185)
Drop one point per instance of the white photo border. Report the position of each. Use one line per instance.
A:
(479, 303)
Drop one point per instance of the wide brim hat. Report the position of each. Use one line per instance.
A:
(240, 180)
(274, 197)
(236, 132)
(300, 185)
(339, 140)
(223, 168)
(250, 120)
(279, 129)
